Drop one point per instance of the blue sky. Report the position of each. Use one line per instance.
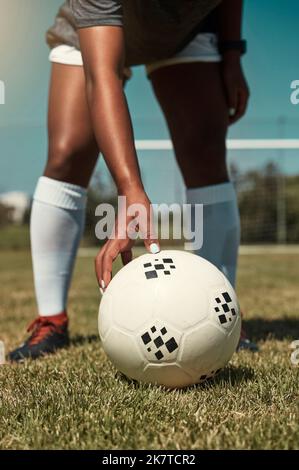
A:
(271, 28)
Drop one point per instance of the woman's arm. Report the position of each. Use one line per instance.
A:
(230, 29)
(103, 54)
(230, 20)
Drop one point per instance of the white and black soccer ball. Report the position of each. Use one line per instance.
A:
(171, 319)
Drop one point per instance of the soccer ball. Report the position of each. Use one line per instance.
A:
(170, 319)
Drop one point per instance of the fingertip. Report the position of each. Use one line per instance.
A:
(154, 248)
(98, 271)
(106, 280)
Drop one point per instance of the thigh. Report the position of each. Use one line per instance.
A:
(192, 99)
(73, 150)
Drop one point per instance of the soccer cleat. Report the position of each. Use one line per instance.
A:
(246, 344)
(48, 335)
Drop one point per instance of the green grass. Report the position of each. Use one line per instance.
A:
(76, 400)
(14, 237)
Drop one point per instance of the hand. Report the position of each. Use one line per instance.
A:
(135, 216)
(235, 85)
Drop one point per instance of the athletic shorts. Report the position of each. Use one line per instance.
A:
(203, 48)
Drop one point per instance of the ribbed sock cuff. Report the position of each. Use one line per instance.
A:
(213, 194)
(60, 194)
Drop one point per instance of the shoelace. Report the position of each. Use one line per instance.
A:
(41, 328)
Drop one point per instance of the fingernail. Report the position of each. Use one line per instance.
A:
(232, 111)
(103, 284)
(154, 248)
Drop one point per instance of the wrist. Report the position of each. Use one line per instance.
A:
(129, 188)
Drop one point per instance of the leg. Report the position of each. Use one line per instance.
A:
(73, 151)
(58, 210)
(192, 98)
(193, 102)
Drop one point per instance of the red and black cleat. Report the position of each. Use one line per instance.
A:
(48, 335)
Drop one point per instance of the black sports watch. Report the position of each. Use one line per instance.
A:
(240, 45)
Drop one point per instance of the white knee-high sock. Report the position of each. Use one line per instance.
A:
(221, 226)
(57, 223)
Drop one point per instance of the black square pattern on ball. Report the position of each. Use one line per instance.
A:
(171, 345)
(226, 297)
(222, 319)
(159, 355)
(223, 302)
(159, 342)
(155, 344)
(146, 338)
(151, 274)
(159, 268)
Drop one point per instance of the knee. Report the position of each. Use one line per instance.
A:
(61, 158)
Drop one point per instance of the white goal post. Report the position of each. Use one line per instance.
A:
(276, 192)
(232, 144)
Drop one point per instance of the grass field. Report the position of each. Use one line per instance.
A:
(76, 400)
